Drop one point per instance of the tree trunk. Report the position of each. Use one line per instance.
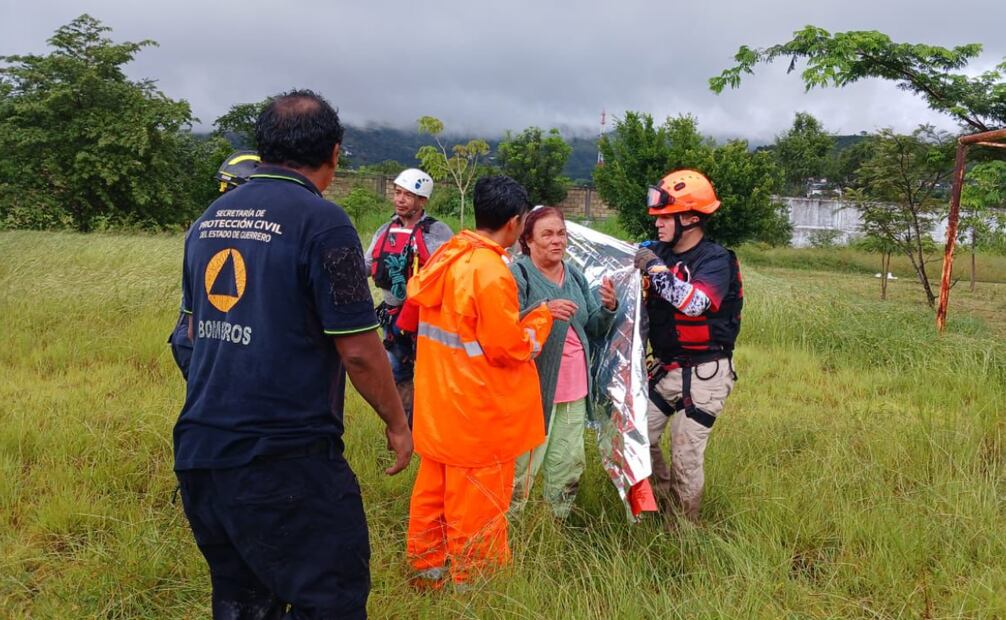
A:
(930, 296)
(885, 265)
(919, 263)
(461, 196)
(974, 262)
(80, 221)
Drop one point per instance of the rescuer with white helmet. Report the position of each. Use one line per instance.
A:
(398, 250)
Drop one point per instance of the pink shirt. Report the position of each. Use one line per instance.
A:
(572, 383)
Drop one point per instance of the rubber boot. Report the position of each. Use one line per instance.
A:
(429, 579)
(405, 393)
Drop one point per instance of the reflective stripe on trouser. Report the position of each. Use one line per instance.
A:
(563, 457)
(683, 482)
(458, 514)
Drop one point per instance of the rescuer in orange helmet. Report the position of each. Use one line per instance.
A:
(694, 310)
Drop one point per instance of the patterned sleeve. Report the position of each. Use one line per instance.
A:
(337, 280)
(674, 287)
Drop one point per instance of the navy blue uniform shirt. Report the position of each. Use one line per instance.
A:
(272, 271)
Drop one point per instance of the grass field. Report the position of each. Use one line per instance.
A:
(989, 268)
(859, 470)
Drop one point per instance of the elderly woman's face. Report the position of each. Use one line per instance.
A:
(548, 243)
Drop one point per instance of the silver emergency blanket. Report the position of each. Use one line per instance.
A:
(618, 364)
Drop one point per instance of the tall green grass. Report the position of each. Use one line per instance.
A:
(859, 470)
(989, 267)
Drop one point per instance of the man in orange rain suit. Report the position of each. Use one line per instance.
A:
(477, 405)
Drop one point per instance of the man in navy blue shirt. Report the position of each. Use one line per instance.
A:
(280, 312)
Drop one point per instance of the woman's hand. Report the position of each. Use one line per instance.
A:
(561, 309)
(607, 292)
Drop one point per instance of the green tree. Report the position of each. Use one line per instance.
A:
(460, 166)
(844, 164)
(239, 123)
(745, 183)
(881, 225)
(932, 72)
(361, 201)
(983, 200)
(638, 153)
(83, 145)
(238, 127)
(446, 200)
(802, 152)
(201, 158)
(900, 201)
(388, 167)
(536, 160)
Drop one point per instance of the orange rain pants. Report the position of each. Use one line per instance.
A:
(459, 514)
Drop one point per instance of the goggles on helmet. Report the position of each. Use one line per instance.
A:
(656, 197)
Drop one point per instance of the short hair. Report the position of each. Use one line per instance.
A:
(537, 213)
(298, 129)
(498, 199)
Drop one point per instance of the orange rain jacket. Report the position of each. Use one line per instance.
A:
(477, 400)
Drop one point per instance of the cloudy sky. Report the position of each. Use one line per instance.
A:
(487, 67)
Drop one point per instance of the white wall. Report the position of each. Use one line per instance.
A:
(811, 214)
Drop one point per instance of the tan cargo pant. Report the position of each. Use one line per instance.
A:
(681, 485)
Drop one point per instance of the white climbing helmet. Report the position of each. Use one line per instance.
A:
(416, 181)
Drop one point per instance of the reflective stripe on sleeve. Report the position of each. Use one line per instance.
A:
(535, 345)
(446, 338)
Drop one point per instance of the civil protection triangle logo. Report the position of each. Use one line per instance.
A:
(225, 279)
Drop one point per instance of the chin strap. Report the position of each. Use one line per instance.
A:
(411, 214)
(679, 229)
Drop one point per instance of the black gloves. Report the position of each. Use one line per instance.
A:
(645, 257)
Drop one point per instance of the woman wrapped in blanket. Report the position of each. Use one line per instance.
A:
(542, 274)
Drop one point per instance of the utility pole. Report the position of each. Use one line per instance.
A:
(600, 157)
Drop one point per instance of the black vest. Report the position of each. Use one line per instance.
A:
(676, 337)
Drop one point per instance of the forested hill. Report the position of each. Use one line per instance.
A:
(372, 145)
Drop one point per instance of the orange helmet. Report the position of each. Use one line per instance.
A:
(682, 191)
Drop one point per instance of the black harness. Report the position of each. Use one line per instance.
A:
(685, 403)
